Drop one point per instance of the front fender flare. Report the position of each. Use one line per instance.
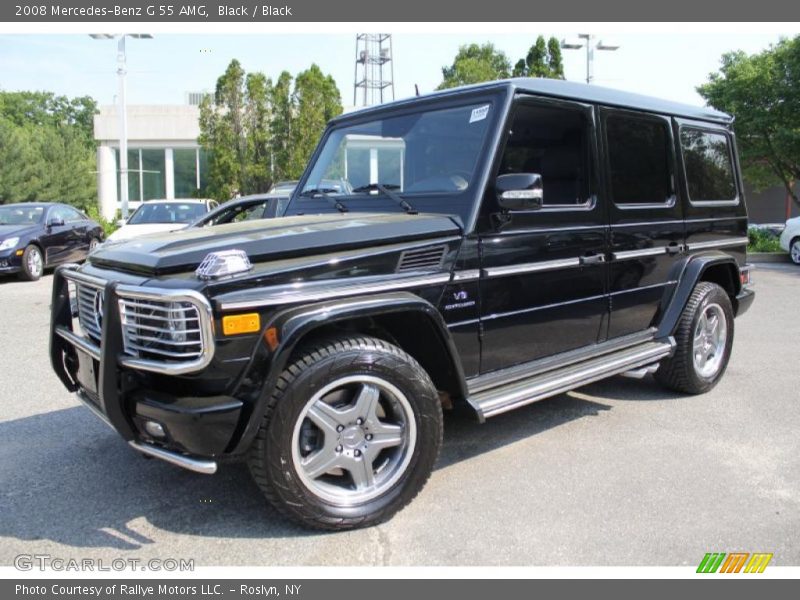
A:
(295, 323)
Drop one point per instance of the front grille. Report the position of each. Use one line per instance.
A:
(161, 330)
(90, 310)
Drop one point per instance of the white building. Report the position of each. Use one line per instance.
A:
(164, 157)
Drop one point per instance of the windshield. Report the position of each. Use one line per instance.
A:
(21, 215)
(167, 212)
(431, 152)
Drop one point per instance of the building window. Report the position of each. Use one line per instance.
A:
(202, 165)
(186, 182)
(152, 173)
(147, 178)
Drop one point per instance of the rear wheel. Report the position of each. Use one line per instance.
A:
(703, 339)
(351, 434)
(32, 264)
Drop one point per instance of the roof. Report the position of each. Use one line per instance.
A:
(570, 90)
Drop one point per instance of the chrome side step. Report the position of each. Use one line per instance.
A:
(529, 370)
(498, 400)
(641, 372)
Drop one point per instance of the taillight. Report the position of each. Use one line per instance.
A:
(744, 276)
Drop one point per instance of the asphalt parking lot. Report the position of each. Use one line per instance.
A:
(616, 473)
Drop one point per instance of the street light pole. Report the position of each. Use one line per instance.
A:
(122, 71)
(590, 46)
(123, 128)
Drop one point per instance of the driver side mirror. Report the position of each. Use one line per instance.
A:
(55, 222)
(520, 191)
(121, 222)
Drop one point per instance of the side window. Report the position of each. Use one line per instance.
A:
(639, 161)
(553, 142)
(72, 216)
(707, 161)
(59, 213)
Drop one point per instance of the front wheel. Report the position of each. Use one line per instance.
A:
(32, 264)
(794, 251)
(350, 435)
(703, 339)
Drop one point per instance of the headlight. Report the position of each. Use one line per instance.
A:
(9, 243)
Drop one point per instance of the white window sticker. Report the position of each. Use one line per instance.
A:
(479, 114)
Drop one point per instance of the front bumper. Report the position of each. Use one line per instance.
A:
(10, 262)
(196, 429)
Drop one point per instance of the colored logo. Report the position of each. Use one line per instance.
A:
(734, 562)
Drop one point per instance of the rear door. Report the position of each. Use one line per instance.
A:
(646, 218)
(543, 272)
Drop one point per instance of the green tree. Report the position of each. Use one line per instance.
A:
(281, 129)
(475, 64)
(258, 132)
(543, 60)
(317, 101)
(46, 148)
(222, 132)
(258, 119)
(762, 91)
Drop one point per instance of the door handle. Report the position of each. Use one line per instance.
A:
(593, 259)
(674, 248)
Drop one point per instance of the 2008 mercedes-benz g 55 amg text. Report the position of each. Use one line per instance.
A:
(490, 245)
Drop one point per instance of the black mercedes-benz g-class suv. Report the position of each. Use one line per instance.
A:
(492, 246)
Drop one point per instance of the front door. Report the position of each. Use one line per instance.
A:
(543, 272)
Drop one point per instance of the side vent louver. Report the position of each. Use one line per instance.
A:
(421, 259)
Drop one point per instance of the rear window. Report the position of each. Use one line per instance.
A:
(707, 160)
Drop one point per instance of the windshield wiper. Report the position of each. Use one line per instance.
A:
(386, 190)
(325, 193)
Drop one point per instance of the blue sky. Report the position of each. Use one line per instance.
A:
(163, 69)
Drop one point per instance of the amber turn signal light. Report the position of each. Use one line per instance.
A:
(236, 324)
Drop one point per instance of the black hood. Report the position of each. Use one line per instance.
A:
(7, 231)
(270, 239)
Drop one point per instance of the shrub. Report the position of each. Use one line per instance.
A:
(93, 213)
(762, 240)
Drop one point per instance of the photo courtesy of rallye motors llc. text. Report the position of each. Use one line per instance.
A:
(155, 10)
(144, 591)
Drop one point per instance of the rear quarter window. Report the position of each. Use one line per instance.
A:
(708, 165)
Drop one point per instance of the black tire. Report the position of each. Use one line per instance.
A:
(680, 372)
(271, 460)
(32, 269)
(794, 253)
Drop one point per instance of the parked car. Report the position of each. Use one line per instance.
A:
(38, 235)
(245, 208)
(790, 239)
(158, 216)
(495, 245)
